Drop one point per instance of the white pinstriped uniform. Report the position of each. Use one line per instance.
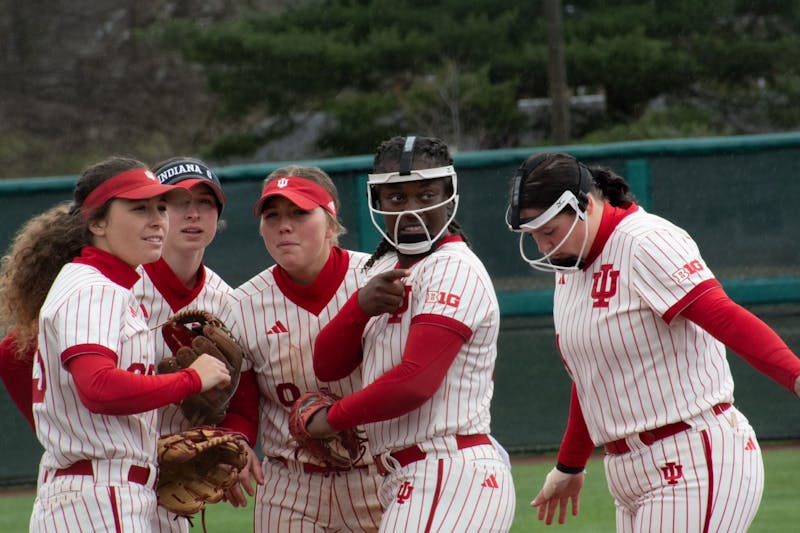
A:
(279, 339)
(634, 372)
(157, 309)
(475, 488)
(85, 307)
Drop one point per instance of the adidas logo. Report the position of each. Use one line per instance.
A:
(490, 483)
(278, 328)
(750, 444)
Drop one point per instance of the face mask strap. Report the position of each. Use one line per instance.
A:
(512, 213)
(407, 157)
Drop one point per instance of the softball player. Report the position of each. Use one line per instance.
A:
(425, 327)
(276, 316)
(179, 280)
(94, 395)
(642, 326)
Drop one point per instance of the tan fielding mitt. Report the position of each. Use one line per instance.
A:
(197, 466)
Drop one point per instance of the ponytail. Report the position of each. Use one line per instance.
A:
(613, 186)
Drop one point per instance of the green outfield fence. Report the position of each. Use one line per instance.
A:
(735, 195)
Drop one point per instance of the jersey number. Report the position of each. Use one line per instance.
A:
(287, 393)
(39, 384)
(139, 368)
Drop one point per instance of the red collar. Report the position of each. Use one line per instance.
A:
(174, 291)
(612, 216)
(109, 265)
(315, 297)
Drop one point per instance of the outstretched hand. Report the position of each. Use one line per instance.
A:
(558, 490)
(384, 293)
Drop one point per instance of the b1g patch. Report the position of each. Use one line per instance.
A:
(440, 297)
(683, 273)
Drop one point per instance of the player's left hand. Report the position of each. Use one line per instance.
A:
(235, 496)
(558, 490)
(318, 426)
(797, 386)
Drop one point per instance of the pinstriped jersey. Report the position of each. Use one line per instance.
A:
(636, 362)
(278, 331)
(84, 307)
(162, 294)
(451, 282)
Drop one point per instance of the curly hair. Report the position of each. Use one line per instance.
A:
(40, 248)
(429, 152)
(43, 245)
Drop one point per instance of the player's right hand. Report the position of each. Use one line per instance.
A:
(384, 293)
(212, 372)
(558, 490)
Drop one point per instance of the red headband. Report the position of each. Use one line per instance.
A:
(303, 192)
(135, 184)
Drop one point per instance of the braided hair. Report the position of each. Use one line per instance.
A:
(431, 153)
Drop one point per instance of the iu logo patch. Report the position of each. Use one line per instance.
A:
(283, 182)
(604, 285)
(404, 494)
(672, 473)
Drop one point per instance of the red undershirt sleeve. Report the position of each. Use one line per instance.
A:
(243, 410)
(16, 371)
(576, 445)
(337, 348)
(107, 390)
(430, 350)
(746, 335)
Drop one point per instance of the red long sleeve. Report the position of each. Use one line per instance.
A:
(576, 445)
(428, 354)
(746, 335)
(105, 389)
(340, 337)
(243, 410)
(16, 373)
